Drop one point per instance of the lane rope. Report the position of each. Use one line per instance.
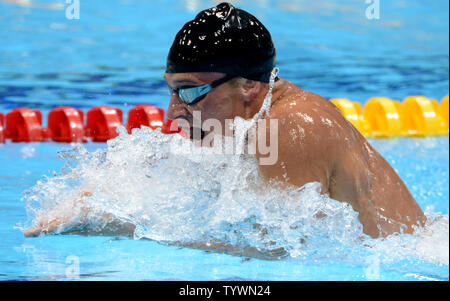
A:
(380, 117)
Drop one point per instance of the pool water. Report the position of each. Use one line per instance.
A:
(405, 257)
(115, 54)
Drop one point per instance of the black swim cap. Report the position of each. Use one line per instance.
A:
(223, 39)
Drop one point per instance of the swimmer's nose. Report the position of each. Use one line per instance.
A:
(176, 108)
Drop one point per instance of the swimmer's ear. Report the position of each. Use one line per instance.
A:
(251, 89)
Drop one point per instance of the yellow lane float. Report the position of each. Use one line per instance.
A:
(382, 117)
(444, 110)
(421, 117)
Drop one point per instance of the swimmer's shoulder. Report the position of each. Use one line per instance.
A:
(298, 105)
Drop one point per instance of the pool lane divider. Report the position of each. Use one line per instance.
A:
(381, 117)
(66, 124)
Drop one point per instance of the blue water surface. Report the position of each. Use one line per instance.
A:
(422, 163)
(115, 55)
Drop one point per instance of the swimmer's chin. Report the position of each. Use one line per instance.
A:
(199, 136)
(196, 134)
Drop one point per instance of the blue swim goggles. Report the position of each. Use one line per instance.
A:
(193, 94)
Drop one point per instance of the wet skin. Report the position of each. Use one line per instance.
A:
(315, 144)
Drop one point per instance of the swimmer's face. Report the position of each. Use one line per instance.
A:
(221, 103)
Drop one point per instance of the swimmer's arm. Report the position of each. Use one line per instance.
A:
(237, 251)
(370, 184)
(70, 215)
(50, 225)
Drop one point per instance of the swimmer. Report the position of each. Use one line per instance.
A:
(220, 64)
(232, 52)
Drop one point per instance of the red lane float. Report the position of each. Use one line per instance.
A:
(65, 124)
(2, 134)
(171, 127)
(102, 123)
(151, 116)
(145, 115)
(24, 125)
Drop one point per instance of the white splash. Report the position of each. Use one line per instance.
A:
(173, 198)
(28, 151)
(265, 107)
